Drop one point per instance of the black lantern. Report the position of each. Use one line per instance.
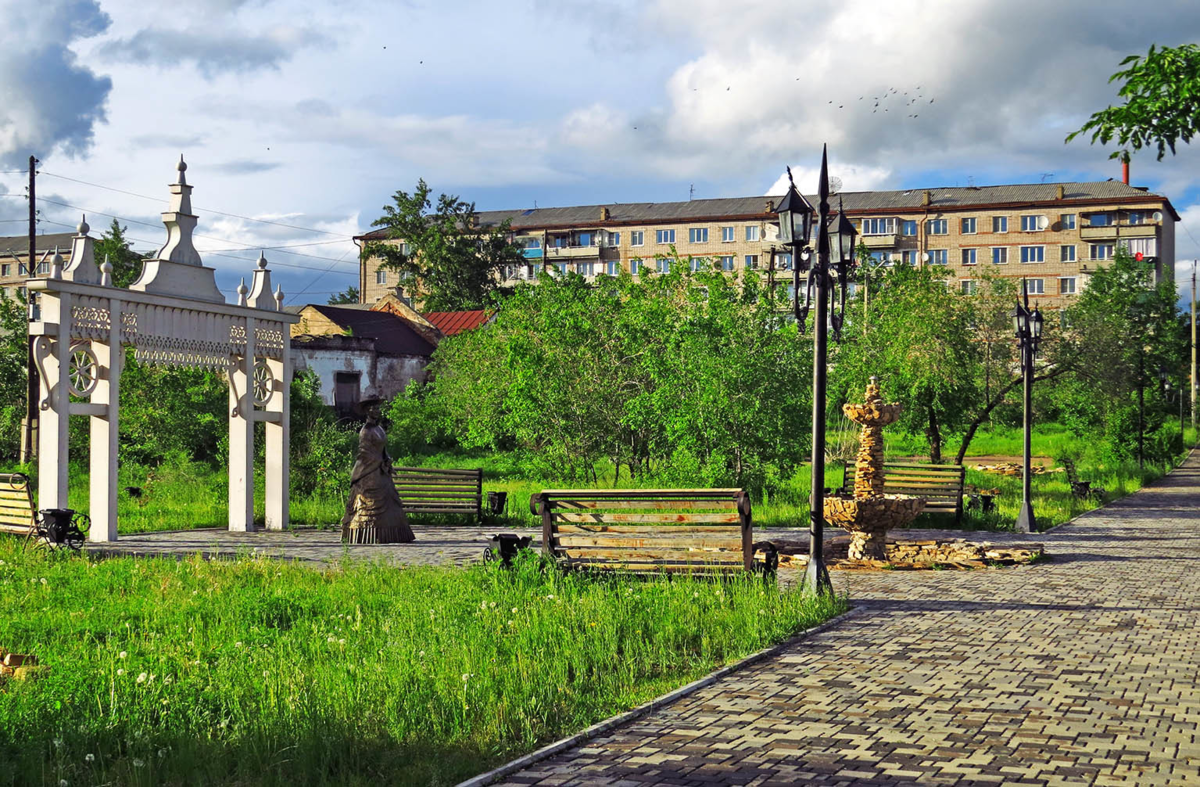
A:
(842, 239)
(795, 216)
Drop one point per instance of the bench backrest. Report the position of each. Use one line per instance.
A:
(16, 504)
(675, 530)
(426, 490)
(940, 485)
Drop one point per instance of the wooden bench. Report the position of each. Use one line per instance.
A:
(425, 490)
(17, 514)
(940, 485)
(692, 531)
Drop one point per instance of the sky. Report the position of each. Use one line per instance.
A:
(299, 120)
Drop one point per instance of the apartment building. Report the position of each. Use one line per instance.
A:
(14, 258)
(1053, 234)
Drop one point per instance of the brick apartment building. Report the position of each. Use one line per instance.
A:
(1055, 234)
(14, 258)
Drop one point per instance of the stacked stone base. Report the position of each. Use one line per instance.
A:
(912, 554)
(868, 519)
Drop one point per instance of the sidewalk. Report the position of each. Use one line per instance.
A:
(1078, 671)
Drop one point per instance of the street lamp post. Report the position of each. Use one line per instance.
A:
(834, 254)
(1027, 324)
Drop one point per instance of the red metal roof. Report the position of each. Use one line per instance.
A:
(450, 323)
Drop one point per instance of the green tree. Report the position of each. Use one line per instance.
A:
(1161, 92)
(448, 261)
(350, 295)
(14, 349)
(126, 263)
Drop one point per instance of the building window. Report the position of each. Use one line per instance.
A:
(1137, 217)
(999, 223)
(751, 262)
(1067, 221)
(999, 255)
(1037, 286)
(663, 264)
(637, 237)
(879, 227)
(43, 269)
(1101, 251)
(726, 262)
(664, 236)
(1100, 220)
(968, 257)
(1033, 254)
(585, 239)
(785, 261)
(1066, 285)
(968, 226)
(697, 235)
(1031, 223)
(346, 388)
(752, 232)
(727, 235)
(1066, 254)
(909, 257)
(936, 227)
(614, 239)
(635, 266)
(562, 268)
(6, 269)
(586, 269)
(881, 257)
(939, 256)
(697, 264)
(381, 277)
(614, 267)
(908, 227)
(23, 269)
(968, 286)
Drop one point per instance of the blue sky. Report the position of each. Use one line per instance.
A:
(311, 114)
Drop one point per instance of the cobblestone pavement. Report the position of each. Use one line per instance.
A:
(1077, 671)
(435, 545)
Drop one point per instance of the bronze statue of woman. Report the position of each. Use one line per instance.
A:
(374, 513)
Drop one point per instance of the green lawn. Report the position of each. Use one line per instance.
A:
(260, 672)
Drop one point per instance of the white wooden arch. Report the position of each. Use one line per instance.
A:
(173, 315)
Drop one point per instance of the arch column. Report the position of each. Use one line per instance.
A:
(104, 431)
(278, 435)
(53, 351)
(241, 437)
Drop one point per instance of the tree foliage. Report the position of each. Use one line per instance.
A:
(1161, 107)
(13, 359)
(449, 262)
(685, 377)
(126, 263)
(350, 295)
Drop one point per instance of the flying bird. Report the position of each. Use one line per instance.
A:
(931, 101)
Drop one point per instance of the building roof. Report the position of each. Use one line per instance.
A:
(954, 198)
(393, 335)
(20, 243)
(450, 323)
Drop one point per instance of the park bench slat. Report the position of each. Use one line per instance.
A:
(731, 543)
(940, 485)
(667, 518)
(635, 494)
(672, 530)
(664, 505)
(17, 514)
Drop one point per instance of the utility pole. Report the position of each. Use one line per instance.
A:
(29, 426)
(1194, 369)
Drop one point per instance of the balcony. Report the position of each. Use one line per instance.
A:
(1115, 231)
(572, 252)
(887, 241)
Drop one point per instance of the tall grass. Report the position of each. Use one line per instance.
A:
(261, 672)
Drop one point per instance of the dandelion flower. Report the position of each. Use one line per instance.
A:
(162, 753)
(421, 654)
(341, 642)
(58, 742)
(466, 677)
(142, 678)
(89, 758)
(122, 655)
(43, 580)
(483, 605)
(138, 763)
(120, 672)
(62, 783)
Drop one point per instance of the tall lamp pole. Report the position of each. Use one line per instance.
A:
(1028, 327)
(834, 255)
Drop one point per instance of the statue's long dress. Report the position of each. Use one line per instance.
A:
(374, 513)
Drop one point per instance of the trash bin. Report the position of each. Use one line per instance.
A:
(496, 502)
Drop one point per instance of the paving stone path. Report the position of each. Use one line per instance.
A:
(1078, 671)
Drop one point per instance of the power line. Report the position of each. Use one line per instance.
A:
(217, 253)
(235, 246)
(210, 210)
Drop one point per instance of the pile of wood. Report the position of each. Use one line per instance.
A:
(1014, 469)
(909, 554)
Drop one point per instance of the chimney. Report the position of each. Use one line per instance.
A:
(770, 206)
(927, 198)
(1125, 170)
(1060, 192)
(603, 214)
